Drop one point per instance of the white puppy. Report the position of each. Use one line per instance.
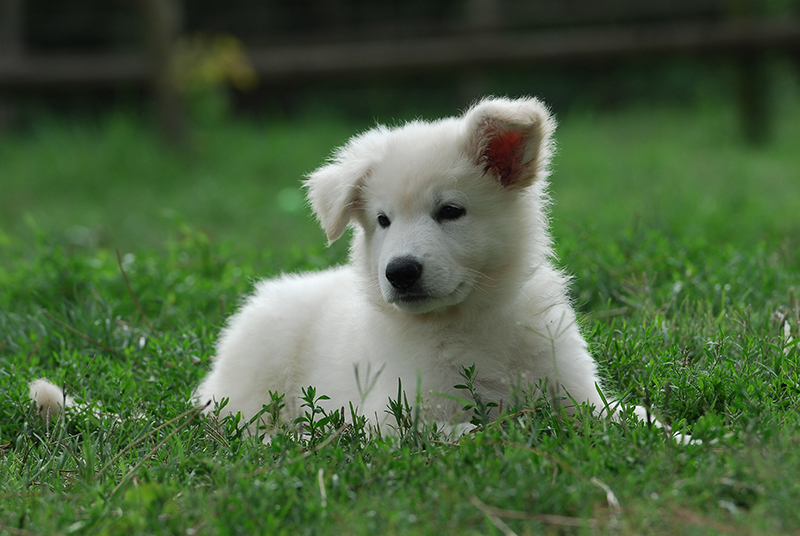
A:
(450, 267)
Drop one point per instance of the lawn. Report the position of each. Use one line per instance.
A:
(120, 259)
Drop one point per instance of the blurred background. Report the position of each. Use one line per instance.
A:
(125, 121)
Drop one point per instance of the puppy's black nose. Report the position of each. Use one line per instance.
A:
(403, 272)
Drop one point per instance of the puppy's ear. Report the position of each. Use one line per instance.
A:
(334, 189)
(511, 139)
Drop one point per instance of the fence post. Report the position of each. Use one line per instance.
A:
(754, 98)
(753, 78)
(163, 21)
(478, 16)
(11, 46)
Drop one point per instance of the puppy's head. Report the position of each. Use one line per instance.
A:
(439, 207)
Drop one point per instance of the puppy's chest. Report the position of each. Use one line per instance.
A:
(465, 347)
(496, 361)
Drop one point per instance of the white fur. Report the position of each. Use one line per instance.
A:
(50, 399)
(488, 293)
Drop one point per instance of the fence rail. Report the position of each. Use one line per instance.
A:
(131, 43)
(481, 50)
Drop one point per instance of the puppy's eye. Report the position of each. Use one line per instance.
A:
(450, 212)
(383, 221)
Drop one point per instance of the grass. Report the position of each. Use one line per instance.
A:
(110, 182)
(684, 244)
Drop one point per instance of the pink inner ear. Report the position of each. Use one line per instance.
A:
(503, 155)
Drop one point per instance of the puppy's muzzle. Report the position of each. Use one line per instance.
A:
(403, 273)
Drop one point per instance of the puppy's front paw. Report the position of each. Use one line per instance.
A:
(680, 438)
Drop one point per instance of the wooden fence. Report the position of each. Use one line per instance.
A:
(346, 39)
